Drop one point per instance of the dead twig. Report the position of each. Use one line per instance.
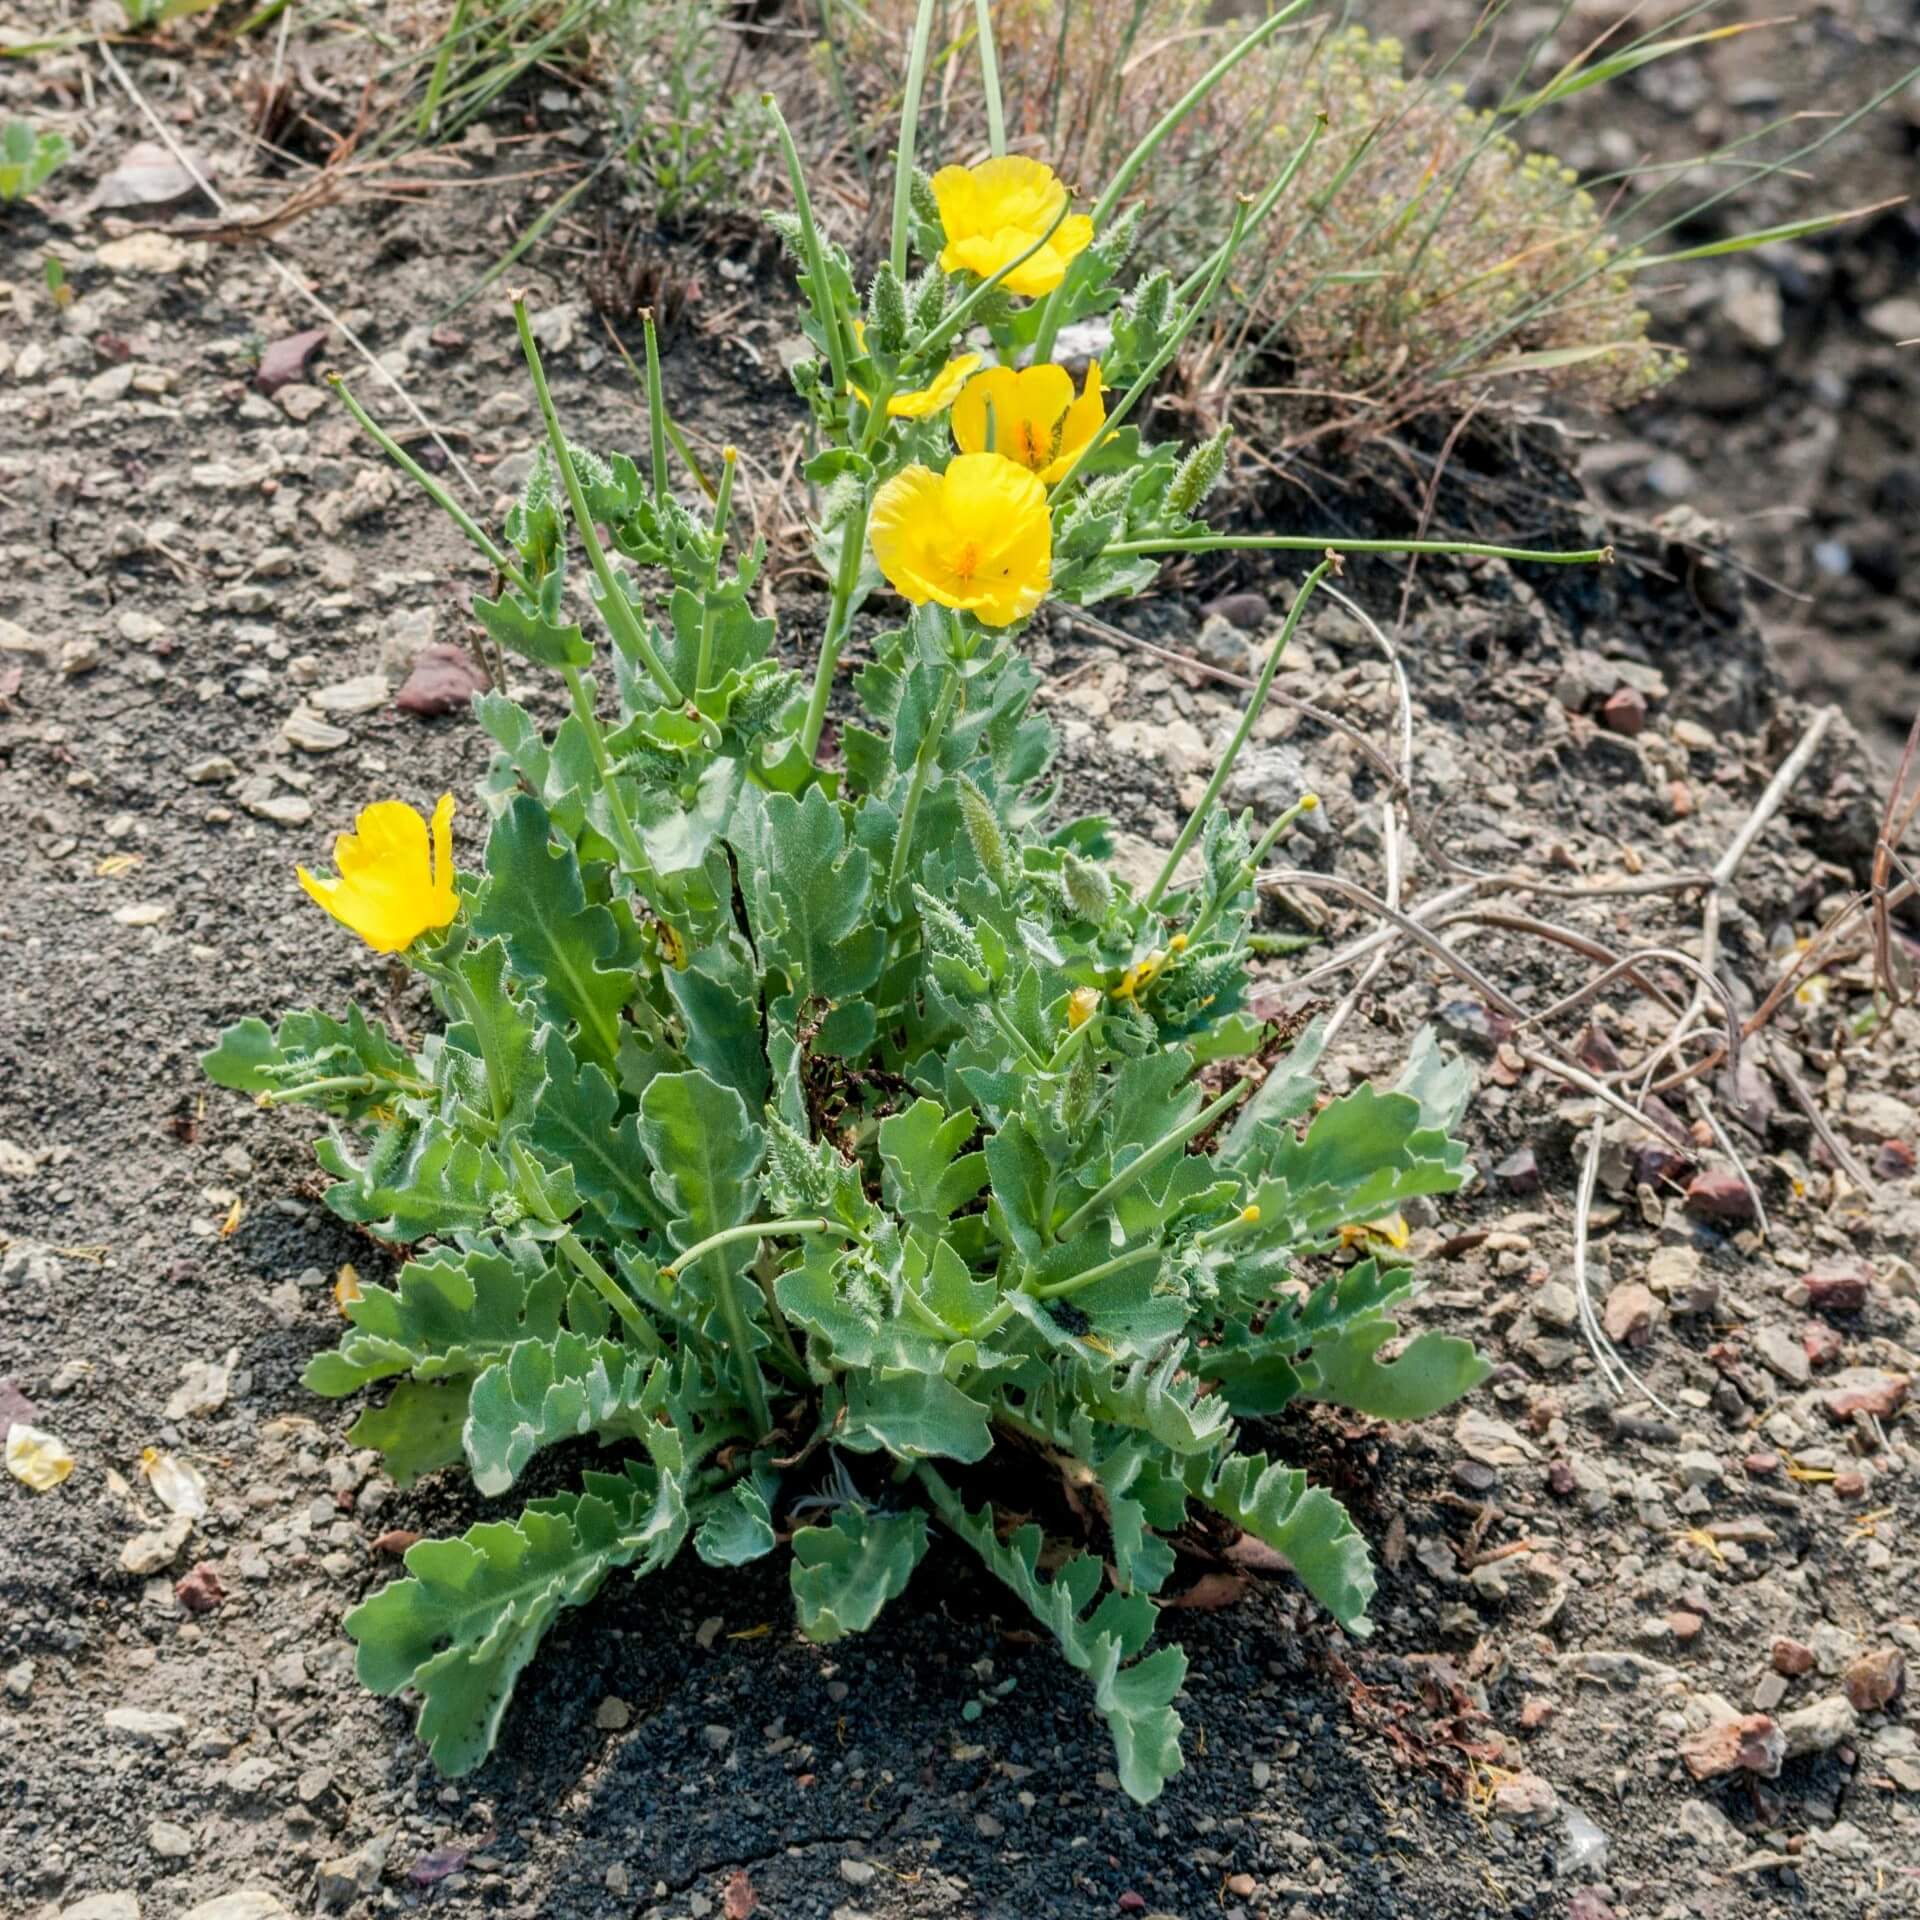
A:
(1620, 1379)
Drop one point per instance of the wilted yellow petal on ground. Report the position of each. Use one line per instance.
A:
(176, 1483)
(346, 1286)
(36, 1459)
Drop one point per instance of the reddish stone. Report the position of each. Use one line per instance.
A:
(200, 1591)
(1893, 1161)
(1823, 1346)
(1762, 1465)
(1588, 1905)
(1624, 711)
(444, 680)
(1792, 1657)
(1596, 1050)
(1866, 1390)
(1537, 1711)
(285, 361)
(1719, 1194)
(1838, 1289)
(396, 1540)
(1560, 1478)
(1131, 1902)
(1629, 1314)
(1849, 1485)
(1684, 1625)
(1750, 1744)
(431, 1868)
(1873, 1681)
(1525, 1800)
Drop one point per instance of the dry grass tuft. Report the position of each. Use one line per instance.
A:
(1388, 282)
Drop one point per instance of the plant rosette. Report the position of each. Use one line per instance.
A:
(796, 1125)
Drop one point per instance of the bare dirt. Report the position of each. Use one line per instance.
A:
(1576, 1589)
(1797, 424)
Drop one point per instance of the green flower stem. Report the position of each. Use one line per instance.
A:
(919, 1309)
(1162, 1149)
(839, 617)
(610, 1290)
(1251, 865)
(1076, 1038)
(1227, 1228)
(1013, 1036)
(656, 411)
(1050, 314)
(748, 1230)
(924, 762)
(339, 1083)
(615, 608)
(1152, 370)
(631, 850)
(990, 78)
(811, 248)
(1310, 543)
(1256, 701)
(1065, 1289)
(723, 506)
(740, 1340)
(909, 132)
(441, 498)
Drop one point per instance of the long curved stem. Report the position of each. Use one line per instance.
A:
(924, 762)
(1255, 701)
(610, 1290)
(853, 539)
(909, 133)
(1313, 543)
(748, 1230)
(1162, 1149)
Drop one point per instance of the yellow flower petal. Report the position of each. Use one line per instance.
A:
(993, 213)
(1078, 425)
(925, 400)
(35, 1458)
(977, 538)
(951, 378)
(1029, 416)
(395, 875)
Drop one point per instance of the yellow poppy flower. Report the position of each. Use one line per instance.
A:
(1029, 415)
(1082, 1004)
(392, 888)
(994, 212)
(923, 400)
(977, 537)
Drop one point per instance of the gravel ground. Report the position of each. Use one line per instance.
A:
(1634, 1657)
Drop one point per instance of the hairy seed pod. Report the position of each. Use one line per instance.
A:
(984, 834)
(928, 298)
(1089, 890)
(946, 933)
(887, 312)
(1197, 474)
